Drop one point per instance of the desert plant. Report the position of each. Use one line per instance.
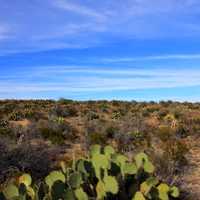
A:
(104, 174)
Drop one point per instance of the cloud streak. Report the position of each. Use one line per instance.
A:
(79, 9)
(154, 57)
(91, 80)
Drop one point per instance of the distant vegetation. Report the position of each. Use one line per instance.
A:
(36, 135)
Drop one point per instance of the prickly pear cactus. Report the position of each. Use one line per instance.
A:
(104, 174)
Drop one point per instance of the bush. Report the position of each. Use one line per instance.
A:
(111, 131)
(98, 138)
(64, 111)
(65, 101)
(32, 159)
(57, 131)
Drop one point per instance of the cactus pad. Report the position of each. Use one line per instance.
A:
(80, 194)
(138, 196)
(25, 179)
(75, 180)
(95, 150)
(53, 177)
(11, 191)
(101, 190)
(111, 184)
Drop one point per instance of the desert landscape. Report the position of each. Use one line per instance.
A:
(38, 135)
(99, 100)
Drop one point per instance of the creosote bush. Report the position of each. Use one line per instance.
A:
(104, 174)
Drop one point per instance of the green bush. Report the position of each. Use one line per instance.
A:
(105, 174)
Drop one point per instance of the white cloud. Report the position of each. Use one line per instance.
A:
(79, 9)
(87, 80)
(154, 57)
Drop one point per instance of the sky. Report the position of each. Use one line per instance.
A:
(89, 49)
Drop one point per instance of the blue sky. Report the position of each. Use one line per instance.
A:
(89, 49)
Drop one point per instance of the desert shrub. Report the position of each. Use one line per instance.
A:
(91, 115)
(176, 150)
(111, 131)
(99, 138)
(15, 116)
(104, 107)
(130, 141)
(162, 113)
(72, 111)
(115, 103)
(64, 111)
(32, 159)
(29, 113)
(7, 107)
(106, 174)
(137, 135)
(5, 129)
(164, 133)
(181, 131)
(116, 114)
(65, 101)
(56, 132)
(171, 161)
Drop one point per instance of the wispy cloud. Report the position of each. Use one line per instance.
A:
(60, 24)
(66, 80)
(79, 9)
(154, 57)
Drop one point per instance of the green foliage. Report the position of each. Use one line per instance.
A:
(105, 174)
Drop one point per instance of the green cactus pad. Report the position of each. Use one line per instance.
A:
(146, 186)
(111, 184)
(80, 194)
(69, 195)
(99, 162)
(100, 190)
(31, 192)
(95, 150)
(11, 191)
(25, 179)
(148, 167)
(174, 191)
(75, 180)
(138, 196)
(53, 177)
(130, 168)
(140, 159)
(80, 166)
(120, 160)
(108, 151)
(163, 190)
